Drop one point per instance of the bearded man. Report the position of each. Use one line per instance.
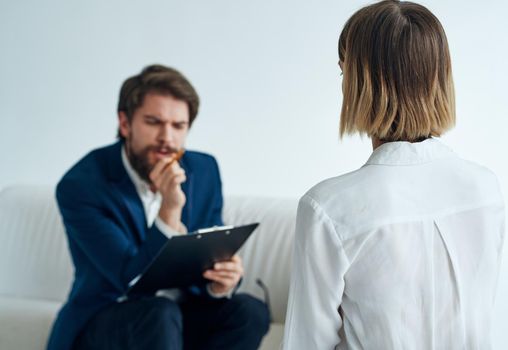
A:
(120, 204)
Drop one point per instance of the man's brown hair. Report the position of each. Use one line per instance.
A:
(398, 82)
(161, 80)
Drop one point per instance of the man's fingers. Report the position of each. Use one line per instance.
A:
(228, 266)
(223, 274)
(224, 281)
(178, 179)
(159, 167)
(165, 165)
(170, 179)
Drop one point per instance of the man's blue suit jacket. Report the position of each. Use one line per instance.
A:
(108, 237)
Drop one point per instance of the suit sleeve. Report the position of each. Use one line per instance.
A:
(102, 237)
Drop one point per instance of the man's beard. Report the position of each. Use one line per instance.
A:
(139, 161)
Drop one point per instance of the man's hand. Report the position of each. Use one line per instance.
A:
(166, 177)
(225, 275)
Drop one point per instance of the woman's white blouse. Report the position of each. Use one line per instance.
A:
(402, 253)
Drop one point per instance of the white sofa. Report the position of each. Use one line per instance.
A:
(36, 270)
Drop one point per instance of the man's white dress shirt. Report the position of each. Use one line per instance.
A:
(403, 253)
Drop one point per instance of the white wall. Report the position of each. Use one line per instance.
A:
(267, 75)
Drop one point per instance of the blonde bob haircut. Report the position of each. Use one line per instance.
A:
(397, 82)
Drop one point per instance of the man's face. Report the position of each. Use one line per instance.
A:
(158, 129)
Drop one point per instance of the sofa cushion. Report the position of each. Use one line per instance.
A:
(25, 323)
(268, 252)
(34, 259)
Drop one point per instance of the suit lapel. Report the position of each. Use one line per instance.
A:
(134, 206)
(125, 190)
(187, 188)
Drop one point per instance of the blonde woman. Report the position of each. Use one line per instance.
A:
(404, 252)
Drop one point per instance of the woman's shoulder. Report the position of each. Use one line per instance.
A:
(355, 182)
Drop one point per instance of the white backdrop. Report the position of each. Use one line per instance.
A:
(267, 75)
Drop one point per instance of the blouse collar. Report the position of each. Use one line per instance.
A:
(407, 153)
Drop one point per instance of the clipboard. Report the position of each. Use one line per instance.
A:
(183, 259)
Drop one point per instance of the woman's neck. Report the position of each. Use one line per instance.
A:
(376, 142)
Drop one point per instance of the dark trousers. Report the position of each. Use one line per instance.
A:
(158, 323)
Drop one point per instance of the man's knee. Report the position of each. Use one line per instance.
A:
(250, 311)
(164, 313)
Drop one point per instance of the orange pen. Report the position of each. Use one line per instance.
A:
(177, 157)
